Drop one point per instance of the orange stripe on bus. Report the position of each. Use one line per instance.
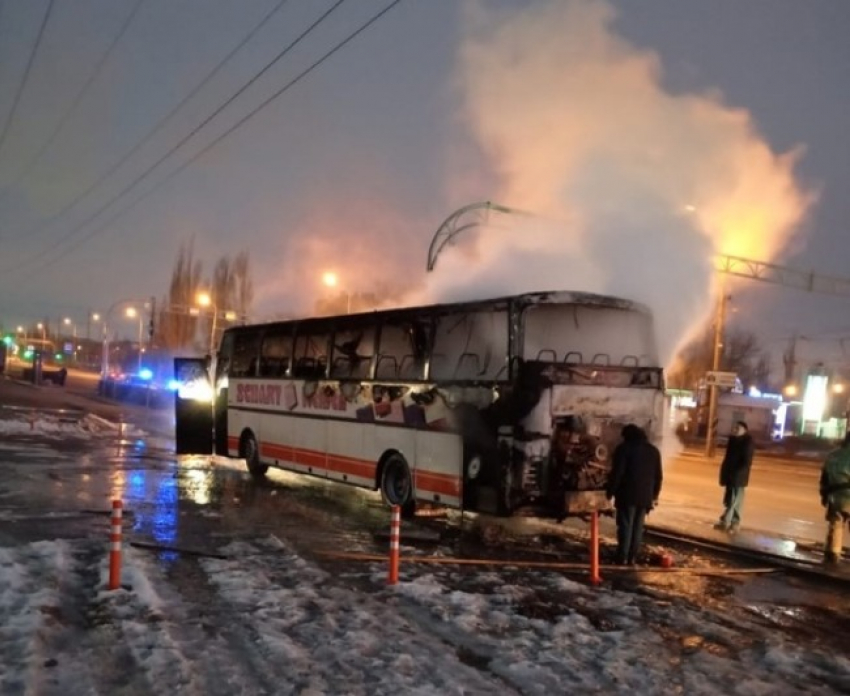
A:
(352, 467)
(437, 483)
(425, 481)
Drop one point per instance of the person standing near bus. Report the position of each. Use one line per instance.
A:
(835, 497)
(635, 485)
(735, 476)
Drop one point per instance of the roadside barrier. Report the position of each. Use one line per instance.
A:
(115, 546)
(395, 527)
(595, 578)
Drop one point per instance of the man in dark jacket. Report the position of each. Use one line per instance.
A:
(835, 497)
(635, 484)
(735, 475)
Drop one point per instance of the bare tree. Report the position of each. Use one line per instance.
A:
(231, 291)
(741, 353)
(177, 329)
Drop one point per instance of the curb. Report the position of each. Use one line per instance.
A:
(811, 568)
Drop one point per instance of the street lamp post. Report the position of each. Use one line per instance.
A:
(67, 322)
(330, 279)
(104, 363)
(205, 300)
(91, 317)
(133, 313)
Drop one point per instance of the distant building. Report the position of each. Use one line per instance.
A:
(759, 413)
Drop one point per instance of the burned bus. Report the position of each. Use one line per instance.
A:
(500, 405)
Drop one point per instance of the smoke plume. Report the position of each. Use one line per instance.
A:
(634, 189)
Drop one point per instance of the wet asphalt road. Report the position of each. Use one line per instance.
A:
(59, 483)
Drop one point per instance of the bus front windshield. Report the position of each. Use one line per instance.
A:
(589, 334)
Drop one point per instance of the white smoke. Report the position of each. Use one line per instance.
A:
(637, 189)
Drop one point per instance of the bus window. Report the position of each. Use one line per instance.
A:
(246, 347)
(588, 335)
(403, 349)
(276, 353)
(353, 350)
(471, 346)
(311, 351)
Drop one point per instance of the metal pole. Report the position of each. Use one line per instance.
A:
(104, 360)
(212, 331)
(711, 426)
(141, 330)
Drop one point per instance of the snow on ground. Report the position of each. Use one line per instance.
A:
(268, 620)
(56, 426)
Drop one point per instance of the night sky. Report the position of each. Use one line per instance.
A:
(355, 165)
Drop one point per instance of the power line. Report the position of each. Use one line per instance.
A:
(38, 228)
(76, 102)
(209, 146)
(23, 82)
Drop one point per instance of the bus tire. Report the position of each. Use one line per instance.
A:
(249, 450)
(397, 484)
(471, 478)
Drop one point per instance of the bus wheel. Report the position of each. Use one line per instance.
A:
(471, 474)
(397, 485)
(250, 452)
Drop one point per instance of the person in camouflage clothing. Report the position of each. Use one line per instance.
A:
(835, 497)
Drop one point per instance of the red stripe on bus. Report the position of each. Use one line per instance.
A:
(425, 481)
(352, 467)
(437, 483)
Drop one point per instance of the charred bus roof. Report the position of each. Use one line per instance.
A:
(522, 300)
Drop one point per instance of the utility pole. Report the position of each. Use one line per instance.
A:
(789, 359)
(719, 321)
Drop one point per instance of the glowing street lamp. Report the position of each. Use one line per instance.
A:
(204, 299)
(790, 390)
(330, 279)
(91, 317)
(133, 313)
(67, 322)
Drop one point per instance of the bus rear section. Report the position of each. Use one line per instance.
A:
(583, 368)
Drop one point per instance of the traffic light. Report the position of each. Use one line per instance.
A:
(8, 339)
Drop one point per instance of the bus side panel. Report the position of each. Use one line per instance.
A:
(276, 439)
(439, 467)
(236, 423)
(383, 438)
(359, 464)
(308, 438)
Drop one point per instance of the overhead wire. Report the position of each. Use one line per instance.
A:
(24, 79)
(39, 227)
(73, 245)
(27, 170)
